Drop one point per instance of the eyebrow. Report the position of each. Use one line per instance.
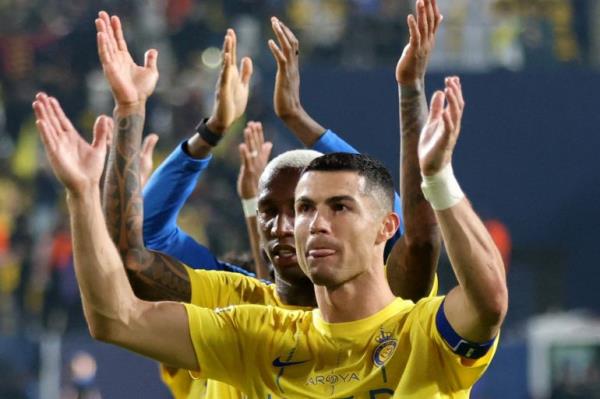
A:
(331, 200)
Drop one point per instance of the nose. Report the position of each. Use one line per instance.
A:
(319, 224)
(283, 225)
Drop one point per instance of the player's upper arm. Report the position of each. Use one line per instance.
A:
(158, 330)
(465, 320)
(458, 361)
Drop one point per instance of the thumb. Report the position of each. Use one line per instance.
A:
(266, 149)
(437, 106)
(246, 70)
(102, 130)
(149, 144)
(243, 157)
(150, 59)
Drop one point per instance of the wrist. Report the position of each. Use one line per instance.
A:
(83, 193)
(442, 189)
(294, 115)
(412, 86)
(197, 148)
(130, 108)
(250, 206)
(215, 126)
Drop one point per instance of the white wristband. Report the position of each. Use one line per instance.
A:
(250, 206)
(442, 190)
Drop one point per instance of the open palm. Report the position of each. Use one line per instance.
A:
(130, 83)
(233, 86)
(76, 163)
(441, 131)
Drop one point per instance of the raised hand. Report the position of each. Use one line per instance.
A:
(75, 162)
(130, 83)
(254, 154)
(231, 95)
(286, 97)
(413, 62)
(441, 131)
(146, 154)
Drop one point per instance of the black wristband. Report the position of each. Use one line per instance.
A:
(210, 137)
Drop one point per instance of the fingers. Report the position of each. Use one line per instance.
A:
(106, 27)
(244, 157)
(455, 101)
(429, 10)
(64, 122)
(151, 60)
(47, 135)
(414, 33)
(277, 53)
(246, 70)
(49, 115)
(255, 140)
(422, 19)
(291, 38)
(233, 52)
(118, 31)
(149, 144)
(449, 126)
(282, 38)
(266, 150)
(438, 16)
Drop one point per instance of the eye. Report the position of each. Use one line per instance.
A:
(266, 213)
(339, 207)
(303, 207)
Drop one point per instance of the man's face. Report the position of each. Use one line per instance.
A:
(276, 224)
(337, 226)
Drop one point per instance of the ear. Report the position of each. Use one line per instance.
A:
(389, 226)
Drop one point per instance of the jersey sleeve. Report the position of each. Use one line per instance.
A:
(459, 373)
(226, 339)
(330, 142)
(166, 192)
(213, 289)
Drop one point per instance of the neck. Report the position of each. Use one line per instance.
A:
(298, 294)
(358, 298)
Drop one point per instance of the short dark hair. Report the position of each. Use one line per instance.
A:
(377, 177)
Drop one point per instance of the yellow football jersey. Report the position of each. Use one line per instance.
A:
(214, 289)
(269, 352)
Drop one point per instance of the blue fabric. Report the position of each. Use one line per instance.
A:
(166, 192)
(460, 346)
(330, 142)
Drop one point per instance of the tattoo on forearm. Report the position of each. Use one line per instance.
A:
(153, 276)
(413, 115)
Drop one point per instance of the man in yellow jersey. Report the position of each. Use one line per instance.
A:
(155, 276)
(361, 342)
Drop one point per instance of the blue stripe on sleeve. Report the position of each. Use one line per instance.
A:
(460, 346)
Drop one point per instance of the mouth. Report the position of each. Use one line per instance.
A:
(319, 253)
(284, 254)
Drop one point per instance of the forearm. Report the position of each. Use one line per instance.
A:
(414, 258)
(304, 127)
(478, 266)
(261, 268)
(153, 276)
(105, 290)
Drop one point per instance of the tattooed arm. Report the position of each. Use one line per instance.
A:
(153, 276)
(413, 262)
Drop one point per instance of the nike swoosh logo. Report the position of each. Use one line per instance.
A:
(278, 363)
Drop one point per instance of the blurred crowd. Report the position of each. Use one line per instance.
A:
(51, 45)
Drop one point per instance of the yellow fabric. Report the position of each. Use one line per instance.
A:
(269, 352)
(216, 289)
